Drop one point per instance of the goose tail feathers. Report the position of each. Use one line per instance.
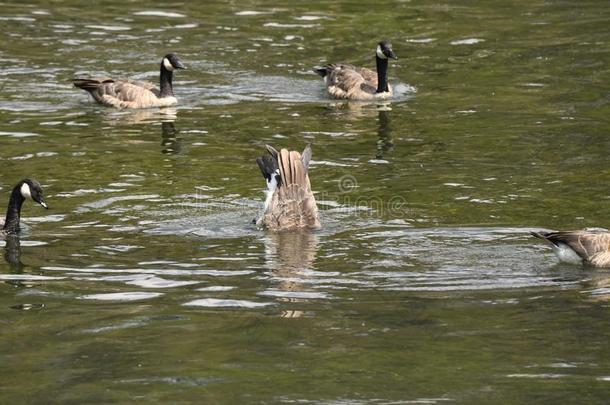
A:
(321, 71)
(89, 83)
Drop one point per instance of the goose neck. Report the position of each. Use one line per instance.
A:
(382, 74)
(13, 212)
(165, 84)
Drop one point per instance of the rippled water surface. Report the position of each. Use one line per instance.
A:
(147, 282)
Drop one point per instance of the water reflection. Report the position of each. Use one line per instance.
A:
(141, 116)
(358, 109)
(12, 253)
(384, 131)
(290, 258)
(172, 145)
(598, 286)
(369, 110)
(288, 253)
(164, 116)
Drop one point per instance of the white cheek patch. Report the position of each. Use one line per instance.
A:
(25, 191)
(168, 65)
(380, 53)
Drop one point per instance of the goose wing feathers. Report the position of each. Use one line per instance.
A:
(343, 80)
(119, 93)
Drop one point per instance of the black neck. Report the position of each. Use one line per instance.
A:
(382, 75)
(166, 82)
(11, 224)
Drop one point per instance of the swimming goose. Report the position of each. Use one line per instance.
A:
(591, 247)
(290, 203)
(349, 82)
(26, 188)
(133, 93)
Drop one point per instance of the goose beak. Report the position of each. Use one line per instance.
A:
(393, 55)
(44, 204)
(179, 65)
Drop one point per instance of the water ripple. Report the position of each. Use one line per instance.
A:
(124, 296)
(216, 303)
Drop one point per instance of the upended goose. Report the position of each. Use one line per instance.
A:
(290, 203)
(349, 82)
(26, 188)
(590, 247)
(132, 93)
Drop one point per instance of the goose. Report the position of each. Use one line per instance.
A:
(290, 203)
(349, 82)
(589, 246)
(133, 93)
(26, 188)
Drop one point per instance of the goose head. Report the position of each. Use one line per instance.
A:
(30, 188)
(171, 62)
(384, 51)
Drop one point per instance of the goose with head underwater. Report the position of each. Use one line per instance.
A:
(125, 93)
(348, 82)
(290, 203)
(589, 246)
(25, 189)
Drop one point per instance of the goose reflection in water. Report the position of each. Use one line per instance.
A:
(171, 144)
(597, 286)
(289, 257)
(142, 116)
(12, 253)
(357, 110)
(384, 132)
(368, 110)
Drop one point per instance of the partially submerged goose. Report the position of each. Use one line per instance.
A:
(591, 247)
(26, 188)
(132, 93)
(349, 82)
(290, 203)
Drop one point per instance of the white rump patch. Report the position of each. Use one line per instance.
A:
(25, 191)
(380, 53)
(168, 65)
(566, 254)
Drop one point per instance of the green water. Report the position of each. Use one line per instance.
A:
(146, 282)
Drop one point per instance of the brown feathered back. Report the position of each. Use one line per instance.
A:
(592, 246)
(293, 205)
(349, 82)
(123, 93)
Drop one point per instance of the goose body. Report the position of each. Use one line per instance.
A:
(588, 247)
(348, 82)
(25, 189)
(125, 93)
(290, 203)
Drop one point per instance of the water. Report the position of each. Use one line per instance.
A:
(146, 281)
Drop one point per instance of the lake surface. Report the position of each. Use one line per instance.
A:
(146, 282)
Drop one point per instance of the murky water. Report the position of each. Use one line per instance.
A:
(146, 282)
